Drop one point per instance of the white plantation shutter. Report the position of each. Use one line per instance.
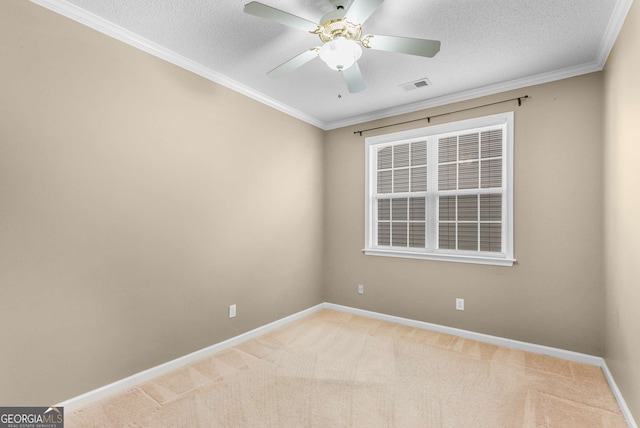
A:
(443, 195)
(401, 169)
(470, 162)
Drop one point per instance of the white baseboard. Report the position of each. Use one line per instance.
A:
(509, 343)
(133, 380)
(485, 338)
(616, 392)
(106, 391)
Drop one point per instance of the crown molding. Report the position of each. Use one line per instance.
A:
(620, 12)
(468, 95)
(103, 26)
(93, 21)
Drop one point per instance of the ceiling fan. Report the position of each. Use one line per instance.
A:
(341, 34)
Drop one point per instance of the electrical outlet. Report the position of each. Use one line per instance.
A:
(460, 304)
(232, 311)
(360, 289)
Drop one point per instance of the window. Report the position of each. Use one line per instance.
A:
(443, 192)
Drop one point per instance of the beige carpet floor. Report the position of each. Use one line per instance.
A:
(332, 369)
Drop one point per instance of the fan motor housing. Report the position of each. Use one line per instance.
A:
(341, 7)
(340, 4)
(333, 29)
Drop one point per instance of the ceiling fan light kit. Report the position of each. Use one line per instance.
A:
(341, 34)
(340, 54)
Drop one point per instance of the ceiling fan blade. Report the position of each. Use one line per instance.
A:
(263, 11)
(407, 45)
(293, 63)
(361, 10)
(354, 79)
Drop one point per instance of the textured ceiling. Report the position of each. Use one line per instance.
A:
(487, 46)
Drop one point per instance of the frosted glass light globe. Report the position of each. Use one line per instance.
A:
(341, 53)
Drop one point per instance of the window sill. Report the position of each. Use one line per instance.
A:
(441, 257)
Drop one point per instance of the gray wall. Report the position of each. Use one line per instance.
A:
(137, 201)
(553, 294)
(622, 211)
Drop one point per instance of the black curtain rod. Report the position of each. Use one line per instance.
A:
(428, 118)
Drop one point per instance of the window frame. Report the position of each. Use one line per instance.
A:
(432, 134)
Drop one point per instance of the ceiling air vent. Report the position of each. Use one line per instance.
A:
(422, 83)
